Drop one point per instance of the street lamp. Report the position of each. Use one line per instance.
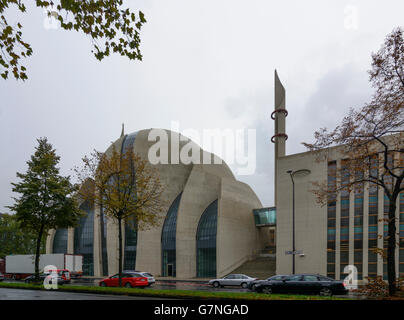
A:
(297, 173)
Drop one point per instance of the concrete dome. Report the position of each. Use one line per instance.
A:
(199, 198)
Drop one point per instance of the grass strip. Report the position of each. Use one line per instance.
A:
(171, 294)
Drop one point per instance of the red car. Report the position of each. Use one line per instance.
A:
(129, 280)
(63, 273)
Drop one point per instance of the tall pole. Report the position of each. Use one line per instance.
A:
(293, 240)
(293, 222)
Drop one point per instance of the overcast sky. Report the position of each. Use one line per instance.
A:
(207, 64)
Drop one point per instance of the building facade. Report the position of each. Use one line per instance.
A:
(328, 238)
(207, 230)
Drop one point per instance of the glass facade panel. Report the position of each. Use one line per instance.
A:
(168, 240)
(206, 242)
(344, 231)
(358, 226)
(103, 222)
(401, 235)
(373, 221)
(265, 216)
(331, 221)
(60, 241)
(129, 261)
(130, 243)
(84, 238)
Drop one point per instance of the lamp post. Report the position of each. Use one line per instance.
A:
(302, 172)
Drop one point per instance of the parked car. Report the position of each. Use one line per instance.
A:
(1, 276)
(129, 280)
(42, 277)
(149, 276)
(253, 284)
(63, 273)
(232, 280)
(302, 284)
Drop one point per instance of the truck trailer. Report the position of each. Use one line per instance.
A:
(23, 265)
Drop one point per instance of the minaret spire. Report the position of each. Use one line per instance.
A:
(279, 115)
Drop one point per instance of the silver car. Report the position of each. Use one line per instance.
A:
(232, 280)
(149, 276)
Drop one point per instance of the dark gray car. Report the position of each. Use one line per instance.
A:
(42, 277)
(232, 280)
(302, 284)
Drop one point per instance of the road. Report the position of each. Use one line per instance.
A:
(165, 285)
(22, 294)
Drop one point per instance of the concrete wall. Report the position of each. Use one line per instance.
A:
(174, 178)
(310, 217)
(201, 190)
(237, 236)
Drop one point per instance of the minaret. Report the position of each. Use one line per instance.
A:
(123, 130)
(279, 114)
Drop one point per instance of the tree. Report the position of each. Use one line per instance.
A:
(47, 199)
(110, 27)
(14, 240)
(126, 187)
(371, 141)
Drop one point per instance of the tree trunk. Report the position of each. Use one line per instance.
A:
(391, 247)
(120, 250)
(38, 253)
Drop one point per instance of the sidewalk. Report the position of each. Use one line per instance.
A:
(173, 279)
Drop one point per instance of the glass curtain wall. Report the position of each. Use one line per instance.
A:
(358, 228)
(206, 242)
(168, 240)
(373, 221)
(344, 231)
(103, 222)
(401, 243)
(388, 180)
(84, 238)
(60, 241)
(130, 245)
(331, 221)
(129, 258)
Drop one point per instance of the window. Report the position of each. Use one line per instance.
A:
(324, 279)
(60, 241)
(206, 242)
(168, 240)
(84, 239)
(331, 220)
(103, 229)
(130, 245)
(293, 278)
(265, 216)
(310, 278)
(129, 257)
(132, 275)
